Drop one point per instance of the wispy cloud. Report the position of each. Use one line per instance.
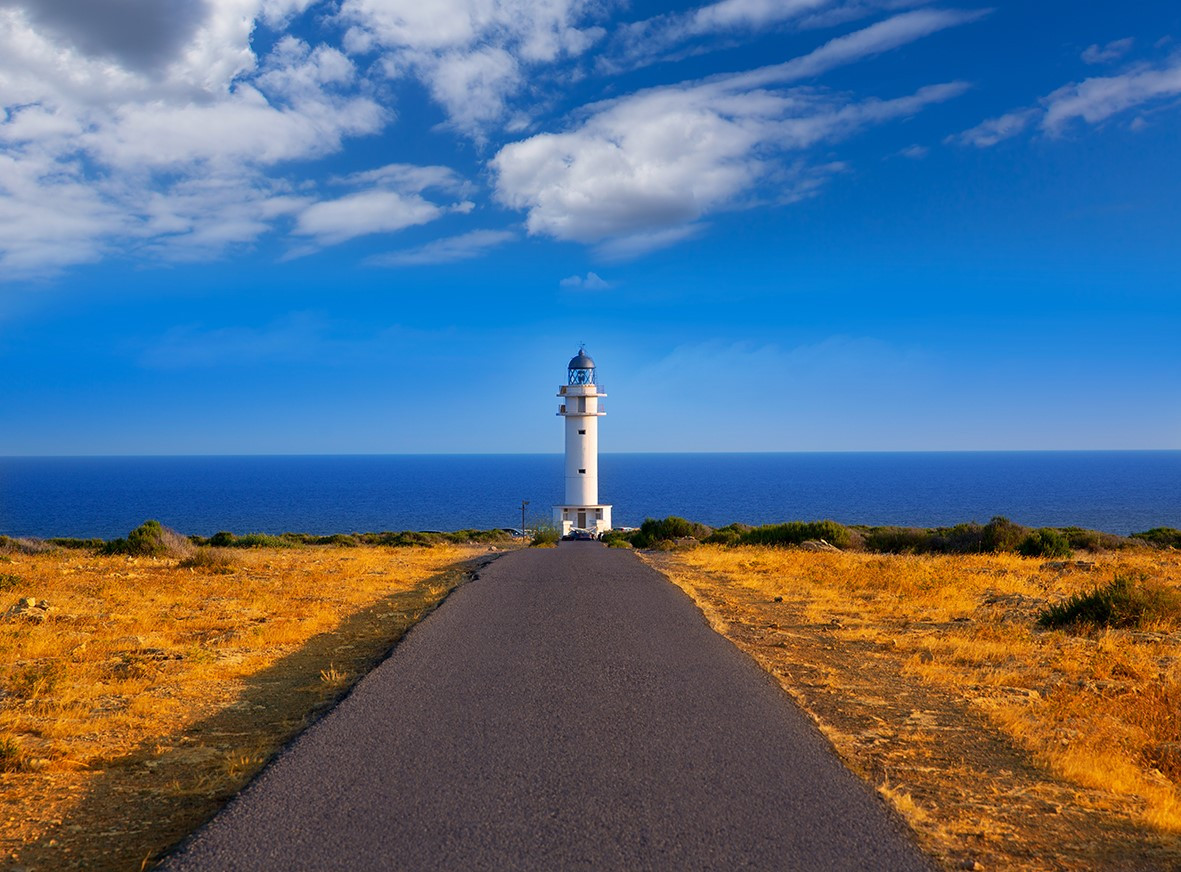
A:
(993, 130)
(1105, 54)
(590, 282)
(463, 247)
(1091, 101)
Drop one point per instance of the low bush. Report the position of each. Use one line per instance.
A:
(8, 581)
(150, 539)
(1001, 534)
(1081, 539)
(898, 540)
(265, 540)
(1161, 537)
(616, 539)
(1125, 602)
(731, 534)
(667, 529)
(80, 544)
(795, 532)
(1045, 542)
(545, 536)
(24, 545)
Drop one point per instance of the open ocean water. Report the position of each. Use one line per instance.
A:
(1116, 491)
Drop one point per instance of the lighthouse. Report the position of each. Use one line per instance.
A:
(581, 409)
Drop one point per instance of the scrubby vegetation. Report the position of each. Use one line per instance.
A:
(150, 539)
(217, 560)
(402, 539)
(1125, 602)
(1045, 542)
(1000, 535)
(652, 531)
(1161, 537)
(797, 532)
(545, 536)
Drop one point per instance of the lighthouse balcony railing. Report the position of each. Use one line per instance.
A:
(599, 389)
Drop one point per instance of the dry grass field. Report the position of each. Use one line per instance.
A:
(1006, 746)
(147, 692)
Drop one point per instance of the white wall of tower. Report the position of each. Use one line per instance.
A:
(582, 459)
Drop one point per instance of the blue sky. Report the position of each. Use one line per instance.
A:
(288, 226)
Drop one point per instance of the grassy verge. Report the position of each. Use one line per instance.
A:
(139, 694)
(941, 679)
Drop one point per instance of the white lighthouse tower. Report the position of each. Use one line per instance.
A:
(580, 407)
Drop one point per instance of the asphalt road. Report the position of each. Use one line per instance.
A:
(570, 709)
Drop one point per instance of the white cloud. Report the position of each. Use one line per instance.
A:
(389, 199)
(1091, 101)
(111, 145)
(993, 130)
(881, 37)
(334, 221)
(664, 36)
(641, 171)
(1096, 100)
(915, 152)
(591, 282)
(1113, 51)
(473, 55)
(463, 247)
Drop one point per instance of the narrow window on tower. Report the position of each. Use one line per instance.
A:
(582, 472)
(581, 432)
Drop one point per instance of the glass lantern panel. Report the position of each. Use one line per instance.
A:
(582, 376)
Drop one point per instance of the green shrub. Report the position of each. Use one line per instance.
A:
(80, 544)
(1081, 539)
(265, 540)
(1001, 534)
(898, 540)
(409, 539)
(1161, 537)
(666, 530)
(731, 534)
(616, 539)
(222, 539)
(1124, 602)
(545, 535)
(8, 581)
(1046, 542)
(150, 539)
(795, 532)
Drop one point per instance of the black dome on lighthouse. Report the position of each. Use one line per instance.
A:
(581, 361)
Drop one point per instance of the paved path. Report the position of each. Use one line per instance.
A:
(571, 709)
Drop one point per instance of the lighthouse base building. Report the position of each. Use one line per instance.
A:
(581, 408)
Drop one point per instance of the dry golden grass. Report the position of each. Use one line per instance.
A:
(151, 692)
(912, 665)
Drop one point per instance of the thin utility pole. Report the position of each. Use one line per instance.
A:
(524, 532)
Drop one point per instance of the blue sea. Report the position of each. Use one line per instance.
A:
(1116, 491)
